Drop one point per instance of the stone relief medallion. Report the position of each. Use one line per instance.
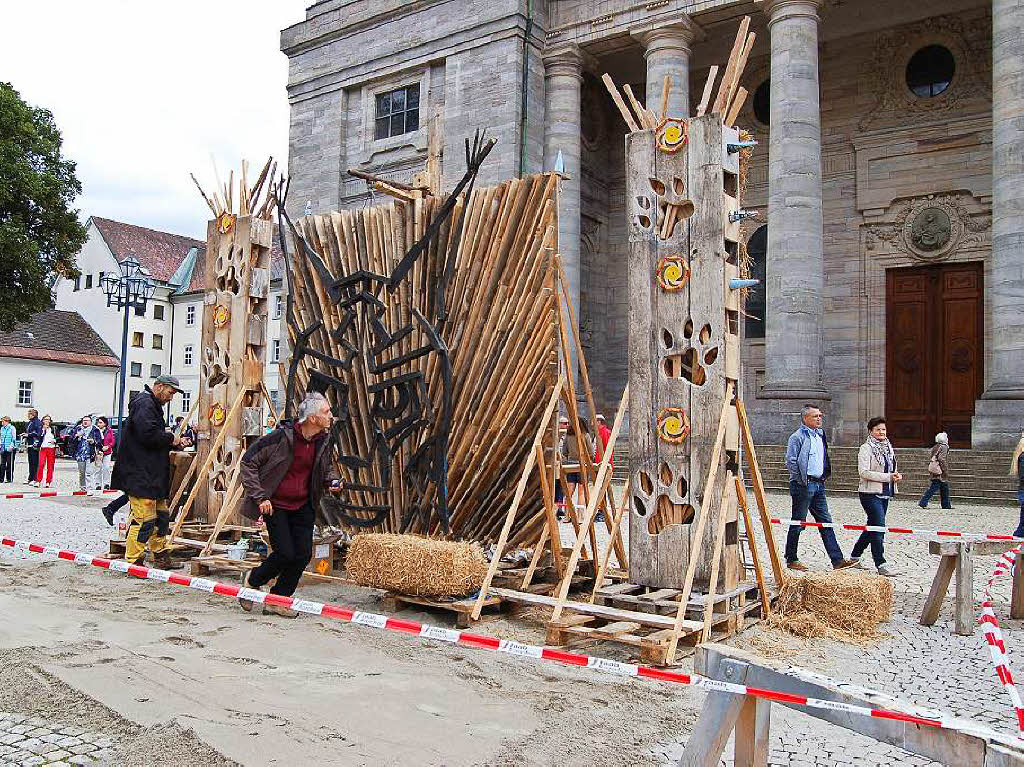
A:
(930, 229)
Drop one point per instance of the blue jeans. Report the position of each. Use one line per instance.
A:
(811, 498)
(875, 508)
(940, 487)
(1019, 532)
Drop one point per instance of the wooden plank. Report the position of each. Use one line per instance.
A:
(617, 98)
(602, 611)
(982, 548)
(730, 67)
(552, 531)
(963, 606)
(603, 475)
(737, 105)
(614, 535)
(612, 630)
(666, 90)
(691, 568)
(752, 733)
(709, 86)
(716, 557)
(492, 568)
(758, 483)
(940, 584)
(748, 528)
(641, 113)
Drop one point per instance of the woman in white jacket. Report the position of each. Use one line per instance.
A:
(876, 465)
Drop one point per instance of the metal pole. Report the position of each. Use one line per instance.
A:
(124, 365)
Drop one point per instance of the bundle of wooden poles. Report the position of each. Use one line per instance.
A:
(501, 331)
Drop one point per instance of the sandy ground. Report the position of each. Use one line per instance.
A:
(173, 676)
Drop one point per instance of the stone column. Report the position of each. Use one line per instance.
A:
(999, 414)
(563, 74)
(667, 52)
(795, 273)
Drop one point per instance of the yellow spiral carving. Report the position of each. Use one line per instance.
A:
(217, 414)
(225, 222)
(673, 425)
(673, 273)
(672, 134)
(221, 316)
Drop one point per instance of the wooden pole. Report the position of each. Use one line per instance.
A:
(748, 527)
(499, 549)
(716, 555)
(709, 86)
(550, 515)
(616, 532)
(225, 510)
(758, 483)
(187, 418)
(705, 509)
(617, 98)
(588, 517)
(666, 89)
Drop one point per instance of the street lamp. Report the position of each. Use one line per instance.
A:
(130, 290)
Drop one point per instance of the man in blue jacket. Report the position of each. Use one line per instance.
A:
(808, 464)
(33, 439)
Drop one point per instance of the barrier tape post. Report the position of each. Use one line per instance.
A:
(994, 635)
(896, 530)
(466, 638)
(56, 494)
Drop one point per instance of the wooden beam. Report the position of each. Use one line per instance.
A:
(616, 533)
(709, 86)
(748, 528)
(737, 105)
(531, 458)
(730, 67)
(716, 553)
(759, 496)
(588, 517)
(551, 517)
(666, 89)
(641, 113)
(623, 110)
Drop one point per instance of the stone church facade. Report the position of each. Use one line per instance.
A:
(888, 183)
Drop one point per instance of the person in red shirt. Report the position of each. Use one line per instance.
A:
(284, 474)
(603, 435)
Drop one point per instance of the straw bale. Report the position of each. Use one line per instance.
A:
(409, 564)
(845, 605)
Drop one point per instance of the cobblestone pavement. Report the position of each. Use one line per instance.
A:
(30, 740)
(926, 665)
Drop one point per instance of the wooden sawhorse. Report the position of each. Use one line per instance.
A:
(958, 556)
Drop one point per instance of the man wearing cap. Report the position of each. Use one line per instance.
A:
(604, 434)
(143, 471)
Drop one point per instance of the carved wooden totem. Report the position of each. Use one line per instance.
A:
(234, 339)
(681, 187)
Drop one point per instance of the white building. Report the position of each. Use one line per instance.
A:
(55, 362)
(165, 338)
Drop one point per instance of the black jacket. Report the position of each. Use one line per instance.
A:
(143, 467)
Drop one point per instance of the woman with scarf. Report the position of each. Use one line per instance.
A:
(876, 465)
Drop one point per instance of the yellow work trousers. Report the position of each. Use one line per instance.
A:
(144, 523)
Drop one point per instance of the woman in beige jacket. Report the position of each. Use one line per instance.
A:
(876, 465)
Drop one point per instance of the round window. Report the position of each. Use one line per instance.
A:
(762, 103)
(930, 71)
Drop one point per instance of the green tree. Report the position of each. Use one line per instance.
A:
(39, 232)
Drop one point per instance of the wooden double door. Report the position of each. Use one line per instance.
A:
(934, 356)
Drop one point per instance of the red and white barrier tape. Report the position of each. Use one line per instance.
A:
(994, 635)
(56, 494)
(478, 641)
(899, 530)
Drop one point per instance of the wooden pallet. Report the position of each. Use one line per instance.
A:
(631, 596)
(462, 608)
(214, 565)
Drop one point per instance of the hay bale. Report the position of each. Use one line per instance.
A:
(845, 605)
(422, 567)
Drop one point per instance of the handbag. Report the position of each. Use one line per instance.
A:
(933, 466)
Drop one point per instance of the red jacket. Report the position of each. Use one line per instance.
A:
(603, 435)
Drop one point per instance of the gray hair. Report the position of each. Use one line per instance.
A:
(806, 409)
(311, 404)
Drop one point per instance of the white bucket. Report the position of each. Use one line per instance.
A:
(237, 551)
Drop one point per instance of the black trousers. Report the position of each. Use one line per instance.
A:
(33, 463)
(7, 466)
(291, 536)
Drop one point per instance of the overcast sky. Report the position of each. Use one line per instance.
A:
(145, 92)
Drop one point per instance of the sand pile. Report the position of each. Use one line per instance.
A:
(845, 605)
(416, 566)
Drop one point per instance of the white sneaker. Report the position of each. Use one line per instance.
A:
(887, 572)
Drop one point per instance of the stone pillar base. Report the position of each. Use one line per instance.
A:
(997, 424)
(775, 415)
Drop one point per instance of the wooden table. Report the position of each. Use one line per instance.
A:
(958, 556)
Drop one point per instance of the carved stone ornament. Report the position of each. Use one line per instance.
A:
(931, 228)
(968, 38)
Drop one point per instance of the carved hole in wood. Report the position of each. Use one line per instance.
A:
(678, 186)
(705, 334)
(657, 186)
(667, 338)
(688, 329)
(711, 355)
(645, 222)
(646, 485)
(638, 503)
(686, 365)
(665, 474)
(669, 513)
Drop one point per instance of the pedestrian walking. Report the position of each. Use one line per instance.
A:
(573, 458)
(938, 472)
(143, 471)
(284, 475)
(33, 436)
(8, 449)
(104, 454)
(809, 467)
(1017, 466)
(84, 443)
(876, 466)
(604, 435)
(47, 452)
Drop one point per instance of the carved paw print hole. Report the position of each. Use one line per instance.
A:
(690, 364)
(666, 337)
(669, 513)
(643, 218)
(665, 474)
(645, 483)
(657, 186)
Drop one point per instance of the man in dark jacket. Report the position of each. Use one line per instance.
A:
(284, 474)
(33, 439)
(143, 471)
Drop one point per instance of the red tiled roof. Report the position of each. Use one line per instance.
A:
(159, 252)
(57, 336)
(198, 282)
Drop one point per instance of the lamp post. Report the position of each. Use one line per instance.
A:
(130, 290)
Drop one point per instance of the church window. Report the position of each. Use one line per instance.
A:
(397, 112)
(762, 103)
(930, 71)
